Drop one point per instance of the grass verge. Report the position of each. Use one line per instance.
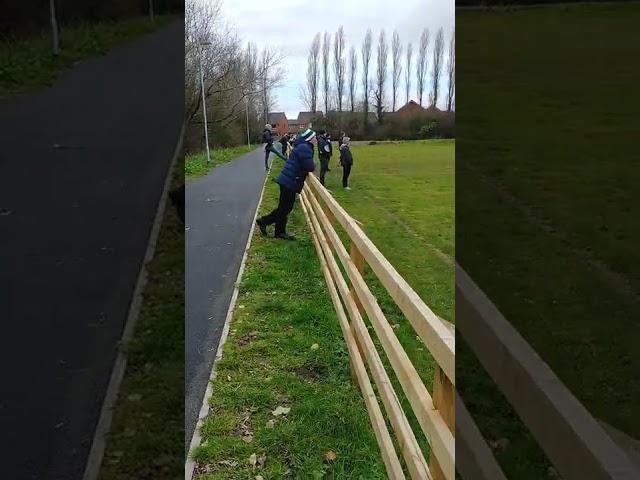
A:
(283, 309)
(147, 433)
(29, 64)
(196, 165)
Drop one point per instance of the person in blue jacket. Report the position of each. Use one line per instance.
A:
(291, 181)
(267, 139)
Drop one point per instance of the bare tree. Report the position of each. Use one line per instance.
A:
(366, 60)
(407, 72)
(339, 65)
(229, 78)
(326, 86)
(353, 70)
(396, 57)
(421, 70)
(381, 74)
(451, 71)
(438, 54)
(313, 74)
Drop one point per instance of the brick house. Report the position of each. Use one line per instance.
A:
(303, 122)
(279, 122)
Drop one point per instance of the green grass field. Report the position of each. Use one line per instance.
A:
(147, 433)
(545, 221)
(284, 308)
(29, 64)
(196, 165)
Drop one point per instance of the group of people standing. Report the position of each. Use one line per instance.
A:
(298, 164)
(325, 151)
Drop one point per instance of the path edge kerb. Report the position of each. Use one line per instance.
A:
(96, 453)
(196, 439)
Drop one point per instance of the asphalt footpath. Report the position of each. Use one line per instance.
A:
(219, 211)
(82, 167)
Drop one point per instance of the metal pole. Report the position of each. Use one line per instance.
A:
(246, 103)
(151, 16)
(54, 27)
(204, 111)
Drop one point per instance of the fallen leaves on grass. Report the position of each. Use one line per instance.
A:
(315, 346)
(271, 423)
(134, 397)
(281, 411)
(256, 461)
(330, 456)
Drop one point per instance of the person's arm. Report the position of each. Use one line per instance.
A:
(306, 160)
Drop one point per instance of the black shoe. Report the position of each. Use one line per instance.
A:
(285, 236)
(262, 227)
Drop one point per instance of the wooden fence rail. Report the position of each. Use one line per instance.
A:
(576, 443)
(435, 413)
(572, 439)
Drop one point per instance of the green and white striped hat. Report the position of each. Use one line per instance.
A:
(307, 135)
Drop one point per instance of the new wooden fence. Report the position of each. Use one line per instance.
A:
(575, 442)
(353, 300)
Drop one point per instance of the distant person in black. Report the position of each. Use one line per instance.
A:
(284, 141)
(267, 139)
(177, 200)
(346, 160)
(330, 151)
(324, 152)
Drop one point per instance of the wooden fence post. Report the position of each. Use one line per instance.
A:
(358, 261)
(444, 402)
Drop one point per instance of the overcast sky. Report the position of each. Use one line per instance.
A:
(290, 26)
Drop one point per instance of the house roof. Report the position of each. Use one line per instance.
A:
(275, 117)
(410, 105)
(305, 117)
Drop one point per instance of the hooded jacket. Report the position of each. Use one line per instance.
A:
(324, 147)
(297, 166)
(345, 155)
(267, 137)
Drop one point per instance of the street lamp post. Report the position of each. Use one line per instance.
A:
(54, 27)
(246, 103)
(151, 13)
(204, 103)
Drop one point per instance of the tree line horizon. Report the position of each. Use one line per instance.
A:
(333, 76)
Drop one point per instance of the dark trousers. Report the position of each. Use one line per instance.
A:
(279, 215)
(346, 171)
(324, 166)
(271, 149)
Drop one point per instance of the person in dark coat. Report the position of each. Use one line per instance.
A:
(324, 152)
(177, 200)
(284, 141)
(330, 151)
(267, 139)
(291, 181)
(346, 160)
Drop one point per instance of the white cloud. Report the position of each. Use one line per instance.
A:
(290, 26)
